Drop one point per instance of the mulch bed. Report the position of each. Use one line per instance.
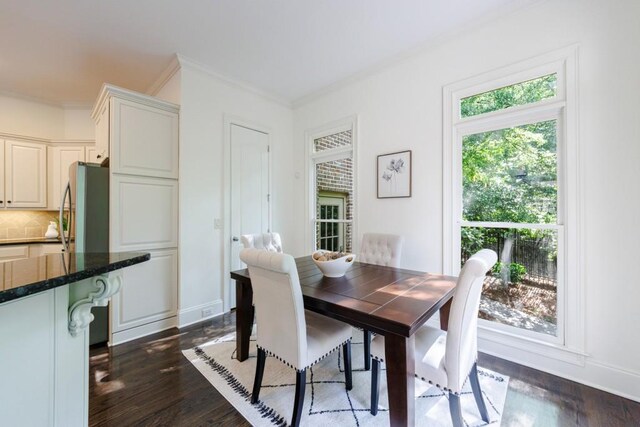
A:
(539, 301)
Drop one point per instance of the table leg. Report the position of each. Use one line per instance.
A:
(244, 319)
(400, 364)
(444, 315)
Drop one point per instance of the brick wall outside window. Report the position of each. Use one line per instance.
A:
(336, 177)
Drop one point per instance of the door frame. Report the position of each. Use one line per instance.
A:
(230, 120)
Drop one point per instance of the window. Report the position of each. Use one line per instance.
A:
(332, 188)
(508, 191)
(331, 235)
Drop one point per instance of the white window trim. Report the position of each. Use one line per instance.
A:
(572, 301)
(311, 158)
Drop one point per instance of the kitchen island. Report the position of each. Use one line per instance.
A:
(45, 311)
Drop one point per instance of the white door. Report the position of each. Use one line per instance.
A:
(249, 191)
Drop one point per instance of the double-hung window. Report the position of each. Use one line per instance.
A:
(507, 188)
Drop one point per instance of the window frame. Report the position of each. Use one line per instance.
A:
(312, 158)
(563, 108)
(341, 231)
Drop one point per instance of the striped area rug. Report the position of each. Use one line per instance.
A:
(327, 403)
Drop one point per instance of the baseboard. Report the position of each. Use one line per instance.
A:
(592, 373)
(121, 337)
(613, 379)
(198, 313)
(571, 366)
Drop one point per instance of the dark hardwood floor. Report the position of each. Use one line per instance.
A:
(148, 382)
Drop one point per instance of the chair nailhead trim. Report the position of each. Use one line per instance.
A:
(310, 364)
(431, 382)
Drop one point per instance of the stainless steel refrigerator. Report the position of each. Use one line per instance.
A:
(85, 207)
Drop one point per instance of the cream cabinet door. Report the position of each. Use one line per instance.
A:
(60, 159)
(101, 149)
(2, 199)
(92, 155)
(25, 174)
(143, 213)
(144, 140)
(13, 252)
(40, 249)
(149, 292)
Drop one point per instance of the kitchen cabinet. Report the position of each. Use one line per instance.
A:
(144, 213)
(140, 134)
(40, 249)
(149, 293)
(13, 252)
(25, 174)
(60, 159)
(92, 155)
(28, 250)
(101, 149)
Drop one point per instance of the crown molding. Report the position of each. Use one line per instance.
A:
(171, 69)
(48, 141)
(410, 54)
(109, 90)
(186, 62)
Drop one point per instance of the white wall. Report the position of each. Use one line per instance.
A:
(204, 101)
(26, 117)
(78, 123)
(400, 107)
(30, 118)
(170, 91)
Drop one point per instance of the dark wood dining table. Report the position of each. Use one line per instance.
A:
(389, 301)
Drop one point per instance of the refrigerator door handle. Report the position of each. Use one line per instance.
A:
(65, 240)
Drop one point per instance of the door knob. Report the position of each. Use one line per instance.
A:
(235, 239)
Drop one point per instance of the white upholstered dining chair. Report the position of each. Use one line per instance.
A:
(266, 241)
(287, 331)
(379, 249)
(447, 359)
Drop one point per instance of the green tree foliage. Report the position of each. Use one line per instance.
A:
(509, 175)
(519, 94)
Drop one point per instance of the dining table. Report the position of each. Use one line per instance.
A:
(389, 301)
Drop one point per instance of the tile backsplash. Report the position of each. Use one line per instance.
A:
(25, 224)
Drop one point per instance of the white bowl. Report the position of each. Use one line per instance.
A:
(334, 267)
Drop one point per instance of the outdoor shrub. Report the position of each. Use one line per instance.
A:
(516, 271)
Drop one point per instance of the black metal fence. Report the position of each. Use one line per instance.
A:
(537, 255)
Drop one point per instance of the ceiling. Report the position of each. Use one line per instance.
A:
(62, 51)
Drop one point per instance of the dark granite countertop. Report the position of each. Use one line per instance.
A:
(32, 275)
(28, 241)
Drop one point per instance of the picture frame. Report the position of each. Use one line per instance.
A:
(393, 174)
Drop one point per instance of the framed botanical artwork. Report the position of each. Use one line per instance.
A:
(394, 175)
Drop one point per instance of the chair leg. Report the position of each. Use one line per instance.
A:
(375, 386)
(346, 352)
(257, 382)
(367, 349)
(456, 410)
(301, 382)
(477, 393)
